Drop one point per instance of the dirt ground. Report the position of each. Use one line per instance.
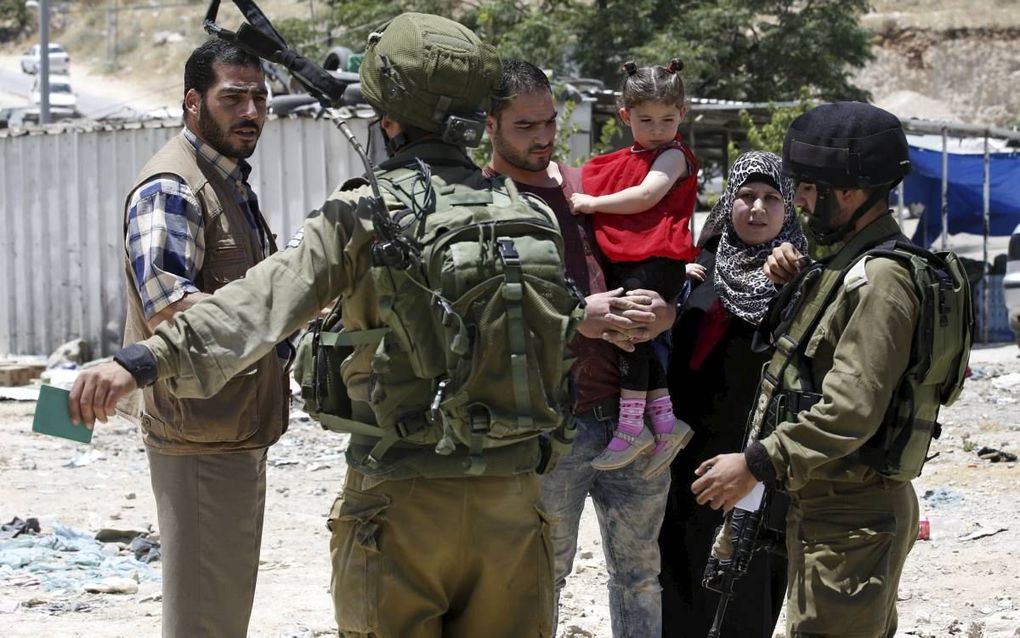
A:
(964, 581)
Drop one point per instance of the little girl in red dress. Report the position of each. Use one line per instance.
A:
(643, 198)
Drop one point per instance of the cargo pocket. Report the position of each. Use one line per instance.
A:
(847, 572)
(546, 578)
(355, 522)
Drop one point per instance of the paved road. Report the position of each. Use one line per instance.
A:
(92, 101)
(15, 83)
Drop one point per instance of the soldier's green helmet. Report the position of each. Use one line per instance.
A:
(429, 72)
(846, 145)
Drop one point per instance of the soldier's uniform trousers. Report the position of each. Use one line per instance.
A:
(452, 558)
(847, 543)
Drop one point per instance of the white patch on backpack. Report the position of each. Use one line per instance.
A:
(296, 238)
(856, 276)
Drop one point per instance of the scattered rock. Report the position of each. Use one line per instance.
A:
(145, 550)
(110, 535)
(167, 37)
(942, 496)
(73, 353)
(35, 601)
(1007, 381)
(112, 585)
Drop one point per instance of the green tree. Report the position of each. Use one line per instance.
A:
(354, 20)
(768, 135)
(761, 50)
(754, 50)
(13, 18)
(303, 36)
(537, 32)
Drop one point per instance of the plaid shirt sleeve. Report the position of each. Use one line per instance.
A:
(165, 241)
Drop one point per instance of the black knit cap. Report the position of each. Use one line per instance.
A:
(846, 145)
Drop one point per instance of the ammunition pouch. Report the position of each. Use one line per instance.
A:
(786, 405)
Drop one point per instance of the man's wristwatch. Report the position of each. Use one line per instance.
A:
(140, 362)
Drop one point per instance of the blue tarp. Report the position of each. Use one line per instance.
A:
(965, 197)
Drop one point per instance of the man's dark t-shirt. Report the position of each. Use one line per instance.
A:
(596, 371)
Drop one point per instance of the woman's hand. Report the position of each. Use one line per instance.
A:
(695, 271)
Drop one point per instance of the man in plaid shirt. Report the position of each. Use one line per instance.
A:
(192, 224)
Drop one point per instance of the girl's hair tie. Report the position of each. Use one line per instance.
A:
(630, 67)
(675, 65)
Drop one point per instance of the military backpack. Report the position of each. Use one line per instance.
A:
(473, 349)
(938, 362)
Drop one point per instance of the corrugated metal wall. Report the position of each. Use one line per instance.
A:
(61, 218)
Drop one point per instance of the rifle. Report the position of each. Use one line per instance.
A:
(260, 38)
(756, 523)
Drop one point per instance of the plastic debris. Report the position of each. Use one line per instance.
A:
(86, 458)
(924, 530)
(983, 533)
(17, 527)
(996, 456)
(65, 559)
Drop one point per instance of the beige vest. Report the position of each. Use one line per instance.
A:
(251, 411)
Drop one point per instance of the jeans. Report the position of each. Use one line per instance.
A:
(630, 511)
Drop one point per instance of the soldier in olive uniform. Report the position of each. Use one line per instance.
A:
(419, 547)
(849, 528)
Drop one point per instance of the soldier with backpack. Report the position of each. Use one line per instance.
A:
(872, 335)
(446, 358)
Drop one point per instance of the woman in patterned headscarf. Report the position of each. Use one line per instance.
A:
(713, 365)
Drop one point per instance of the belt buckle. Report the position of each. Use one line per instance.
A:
(604, 410)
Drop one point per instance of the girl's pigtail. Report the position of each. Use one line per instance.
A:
(675, 65)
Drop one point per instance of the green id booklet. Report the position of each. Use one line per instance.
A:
(52, 416)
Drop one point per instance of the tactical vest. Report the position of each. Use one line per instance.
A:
(251, 410)
(934, 376)
(472, 346)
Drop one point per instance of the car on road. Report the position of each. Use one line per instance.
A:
(61, 93)
(60, 61)
(1011, 283)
